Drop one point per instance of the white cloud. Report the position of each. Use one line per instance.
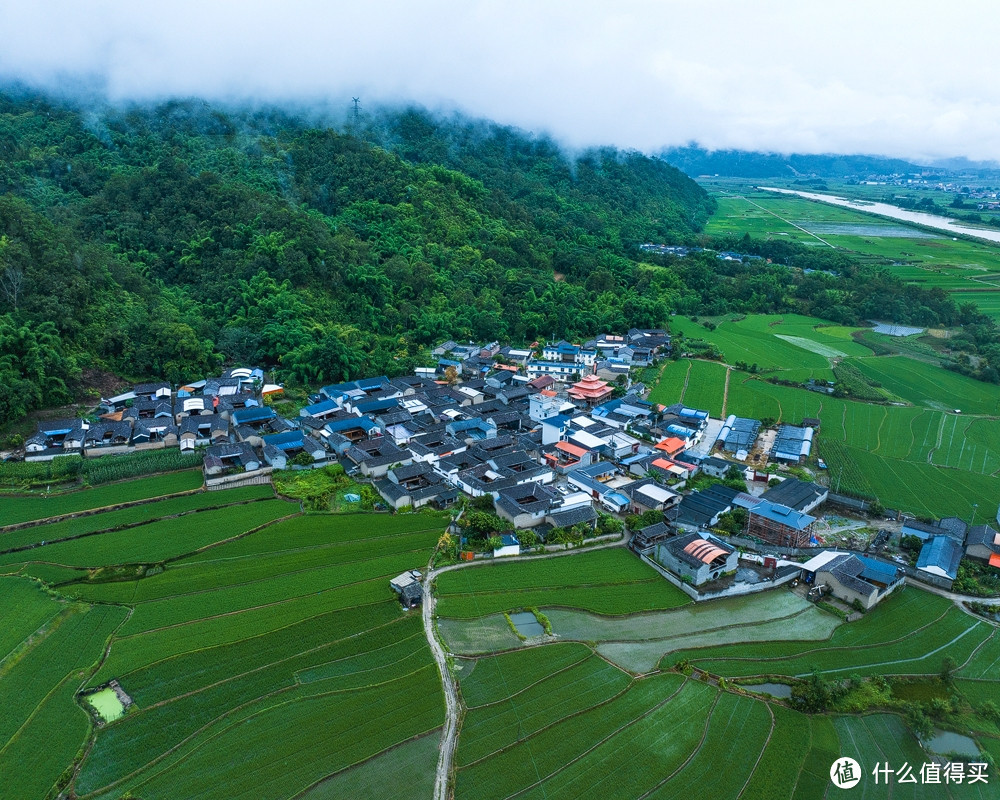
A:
(901, 78)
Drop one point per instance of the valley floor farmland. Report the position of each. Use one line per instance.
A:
(892, 450)
(966, 269)
(240, 638)
(558, 718)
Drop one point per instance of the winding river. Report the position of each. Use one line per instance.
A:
(885, 210)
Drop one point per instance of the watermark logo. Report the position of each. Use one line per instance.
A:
(845, 773)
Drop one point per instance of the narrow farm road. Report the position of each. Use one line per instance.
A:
(449, 736)
(957, 599)
(446, 753)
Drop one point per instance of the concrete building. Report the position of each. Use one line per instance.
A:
(940, 557)
(792, 444)
(983, 544)
(778, 524)
(699, 558)
(849, 577)
(800, 495)
(510, 545)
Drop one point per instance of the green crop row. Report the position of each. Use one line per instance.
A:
(493, 678)
(351, 580)
(609, 566)
(131, 653)
(38, 473)
(178, 675)
(552, 749)
(490, 728)
(26, 608)
(279, 736)
(918, 653)
(71, 642)
(824, 748)
(30, 770)
(133, 515)
(159, 540)
(607, 598)
(407, 639)
(134, 465)
(183, 577)
(316, 530)
(17, 509)
(722, 765)
(778, 769)
(667, 734)
(896, 617)
(985, 664)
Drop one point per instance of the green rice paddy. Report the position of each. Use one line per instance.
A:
(255, 622)
(966, 268)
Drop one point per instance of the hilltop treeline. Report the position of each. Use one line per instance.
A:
(166, 241)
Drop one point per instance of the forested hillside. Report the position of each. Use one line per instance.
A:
(165, 241)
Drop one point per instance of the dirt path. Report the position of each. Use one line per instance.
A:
(940, 438)
(684, 388)
(446, 752)
(957, 599)
(449, 736)
(725, 391)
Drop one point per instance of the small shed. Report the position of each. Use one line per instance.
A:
(510, 546)
(412, 595)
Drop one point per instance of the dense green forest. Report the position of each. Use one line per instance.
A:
(695, 161)
(167, 241)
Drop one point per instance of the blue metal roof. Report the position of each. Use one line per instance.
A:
(288, 440)
(350, 424)
(509, 540)
(941, 552)
(244, 415)
(877, 570)
(374, 406)
(319, 408)
(783, 514)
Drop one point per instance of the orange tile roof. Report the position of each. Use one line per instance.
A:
(672, 444)
(995, 560)
(705, 552)
(572, 449)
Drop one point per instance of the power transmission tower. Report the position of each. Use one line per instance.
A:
(357, 110)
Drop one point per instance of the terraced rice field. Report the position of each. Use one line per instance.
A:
(15, 509)
(554, 720)
(909, 634)
(610, 581)
(276, 643)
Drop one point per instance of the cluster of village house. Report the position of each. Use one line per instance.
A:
(551, 439)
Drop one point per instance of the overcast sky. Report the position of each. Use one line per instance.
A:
(913, 79)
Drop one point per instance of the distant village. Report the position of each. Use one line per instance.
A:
(555, 435)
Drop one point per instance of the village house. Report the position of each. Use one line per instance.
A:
(852, 578)
(697, 558)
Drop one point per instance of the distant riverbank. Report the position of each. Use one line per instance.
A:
(935, 221)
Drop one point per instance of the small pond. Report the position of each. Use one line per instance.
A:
(773, 689)
(107, 704)
(526, 624)
(945, 742)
